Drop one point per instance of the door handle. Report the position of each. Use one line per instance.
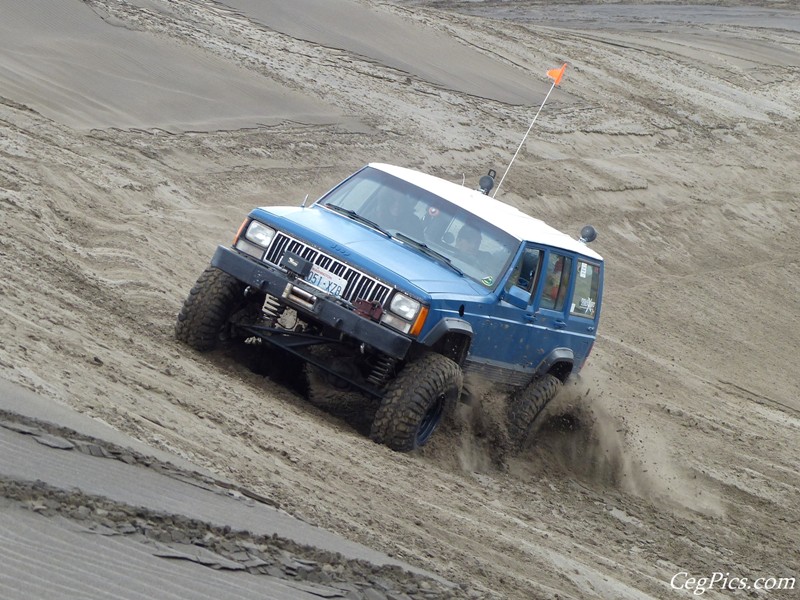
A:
(530, 317)
(559, 324)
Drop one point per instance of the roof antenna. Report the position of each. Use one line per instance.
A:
(319, 166)
(316, 174)
(555, 75)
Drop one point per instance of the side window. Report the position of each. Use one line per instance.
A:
(526, 271)
(587, 282)
(556, 281)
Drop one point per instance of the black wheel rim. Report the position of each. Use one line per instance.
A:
(430, 421)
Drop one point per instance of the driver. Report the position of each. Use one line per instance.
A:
(468, 241)
(397, 214)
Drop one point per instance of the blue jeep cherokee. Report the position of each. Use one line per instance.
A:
(397, 284)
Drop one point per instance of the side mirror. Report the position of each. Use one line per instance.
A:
(517, 297)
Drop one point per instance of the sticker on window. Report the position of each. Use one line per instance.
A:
(586, 306)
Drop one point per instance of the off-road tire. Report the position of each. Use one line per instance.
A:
(327, 392)
(415, 402)
(211, 302)
(526, 406)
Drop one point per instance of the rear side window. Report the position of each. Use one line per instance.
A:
(556, 280)
(587, 282)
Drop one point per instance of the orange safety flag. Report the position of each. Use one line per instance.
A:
(557, 74)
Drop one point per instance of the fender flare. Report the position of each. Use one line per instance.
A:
(449, 329)
(446, 326)
(558, 355)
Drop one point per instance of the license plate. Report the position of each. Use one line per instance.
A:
(328, 282)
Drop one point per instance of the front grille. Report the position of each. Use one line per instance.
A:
(359, 285)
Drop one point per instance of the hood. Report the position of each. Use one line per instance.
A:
(389, 259)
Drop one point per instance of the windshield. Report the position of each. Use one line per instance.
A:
(478, 249)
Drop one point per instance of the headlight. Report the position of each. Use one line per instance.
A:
(242, 245)
(405, 314)
(405, 307)
(259, 234)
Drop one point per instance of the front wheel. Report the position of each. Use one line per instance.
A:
(415, 402)
(208, 309)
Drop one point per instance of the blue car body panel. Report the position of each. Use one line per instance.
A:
(509, 342)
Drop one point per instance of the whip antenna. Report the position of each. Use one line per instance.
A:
(555, 75)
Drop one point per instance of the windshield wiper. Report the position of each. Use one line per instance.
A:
(427, 250)
(357, 217)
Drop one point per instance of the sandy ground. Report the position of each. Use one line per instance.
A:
(675, 136)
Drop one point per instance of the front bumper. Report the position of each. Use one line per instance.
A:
(310, 301)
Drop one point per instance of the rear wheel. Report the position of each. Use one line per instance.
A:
(329, 392)
(415, 402)
(209, 310)
(527, 405)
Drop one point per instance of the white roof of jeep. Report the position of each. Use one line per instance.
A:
(501, 215)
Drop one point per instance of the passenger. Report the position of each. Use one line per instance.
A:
(556, 286)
